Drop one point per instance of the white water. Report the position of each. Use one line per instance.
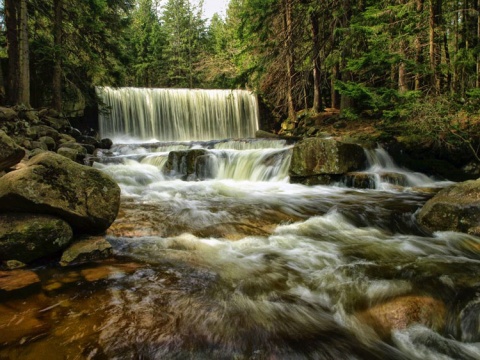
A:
(244, 265)
(281, 261)
(177, 114)
(384, 174)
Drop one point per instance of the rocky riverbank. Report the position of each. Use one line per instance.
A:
(48, 196)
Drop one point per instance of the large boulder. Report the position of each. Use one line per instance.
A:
(52, 184)
(28, 237)
(10, 153)
(324, 159)
(456, 208)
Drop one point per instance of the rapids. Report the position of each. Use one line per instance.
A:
(245, 265)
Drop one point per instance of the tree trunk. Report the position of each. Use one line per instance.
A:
(317, 94)
(478, 43)
(11, 21)
(57, 67)
(335, 95)
(418, 46)
(23, 57)
(402, 71)
(433, 46)
(289, 57)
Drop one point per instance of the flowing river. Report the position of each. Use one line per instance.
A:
(231, 261)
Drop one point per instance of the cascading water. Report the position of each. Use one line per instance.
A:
(177, 114)
(384, 174)
(245, 265)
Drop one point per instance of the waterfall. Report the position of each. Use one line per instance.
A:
(177, 114)
(384, 174)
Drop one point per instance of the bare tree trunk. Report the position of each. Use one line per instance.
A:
(448, 62)
(289, 57)
(418, 46)
(478, 43)
(11, 20)
(317, 94)
(335, 95)
(23, 57)
(57, 67)
(431, 43)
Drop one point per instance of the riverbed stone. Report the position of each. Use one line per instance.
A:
(84, 197)
(315, 157)
(15, 280)
(399, 313)
(10, 153)
(28, 237)
(85, 250)
(456, 208)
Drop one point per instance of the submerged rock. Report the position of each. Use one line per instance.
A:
(86, 198)
(28, 237)
(456, 208)
(86, 250)
(10, 153)
(17, 280)
(401, 312)
(316, 158)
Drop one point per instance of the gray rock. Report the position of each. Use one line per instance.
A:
(68, 153)
(10, 153)
(314, 157)
(28, 237)
(86, 250)
(456, 208)
(85, 197)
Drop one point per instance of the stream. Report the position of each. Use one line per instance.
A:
(244, 265)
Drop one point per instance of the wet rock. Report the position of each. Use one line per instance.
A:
(17, 279)
(183, 163)
(401, 312)
(456, 208)
(10, 153)
(106, 271)
(315, 157)
(261, 134)
(85, 197)
(19, 321)
(88, 140)
(359, 180)
(86, 250)
(230, 231)
(28, 237)
(106, 144)
(14, 264)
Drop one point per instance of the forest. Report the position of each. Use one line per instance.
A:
(412, 62)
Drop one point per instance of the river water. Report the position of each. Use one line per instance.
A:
(241, 264)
